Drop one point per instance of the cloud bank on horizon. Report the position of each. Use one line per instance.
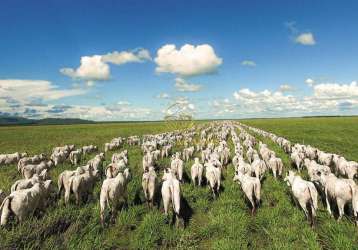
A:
(292, 68)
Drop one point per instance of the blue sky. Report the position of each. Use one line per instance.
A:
(220, 59)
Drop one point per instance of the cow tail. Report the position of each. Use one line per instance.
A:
(5, 209)
(257, 194)
(353, 191)
(313, 203)
(171, 187)
(71, 184)
(107, 200)
(14, 187)
(22, 171)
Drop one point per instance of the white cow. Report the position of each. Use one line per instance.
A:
(297, 159)
(114, 168)
(177, 166)
(30, 160)
(89, 149)
(340, 191)
(171, 193)
(276, 165)
(197, 170)
(96, 162)
(113, 190)
(213, 177)
(6, 159)
(251, 186)
(29, 170)
(258, 167)
(23, 203)
(147, 160)
(26, 183)
(75, 156)
(80, 185)
(149, 183)
(63, 180)
(305, 193)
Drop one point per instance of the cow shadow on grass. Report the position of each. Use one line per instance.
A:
(186, 177)
(186, 212)
(137, 200)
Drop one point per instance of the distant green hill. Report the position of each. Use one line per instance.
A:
(15, 120)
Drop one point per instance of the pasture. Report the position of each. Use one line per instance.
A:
(223, 223)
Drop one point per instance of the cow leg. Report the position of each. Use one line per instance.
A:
(327, 204)
(102, 217)
(114, 212)
(340, 205)
(177, 220)
(274, 172)
(253, 207)
(313, 215)
(67, 196)
(303, 206)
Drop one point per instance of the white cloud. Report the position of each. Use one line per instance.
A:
(163, 96)
(183, 86)
(180, 106)
(309, 82)
(286, 88)
(336, 91)
(96, 68)
(222, 107)
(27, 90)
(189, 60)
(97, 113)
(123, 103)
(92, 68)
(305, 39)
(123, 57)
(265, 101)
(248, 63)
(326, 99)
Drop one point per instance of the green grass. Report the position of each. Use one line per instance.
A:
(333, 134)
(224, 223)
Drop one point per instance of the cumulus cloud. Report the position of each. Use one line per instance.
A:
(326, 98)
(248, 63)
(96, 68)
(189, 60)
(183, 86)
(286, 88)
(336, 90)
(309, 82)
(223, 107)
(123, 57)
(264, 100)
(92, 68)
(305, 39)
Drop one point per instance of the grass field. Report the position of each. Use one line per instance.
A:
(224, 223)
(334, 134)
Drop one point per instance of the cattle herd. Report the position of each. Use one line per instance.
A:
(211, 147)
